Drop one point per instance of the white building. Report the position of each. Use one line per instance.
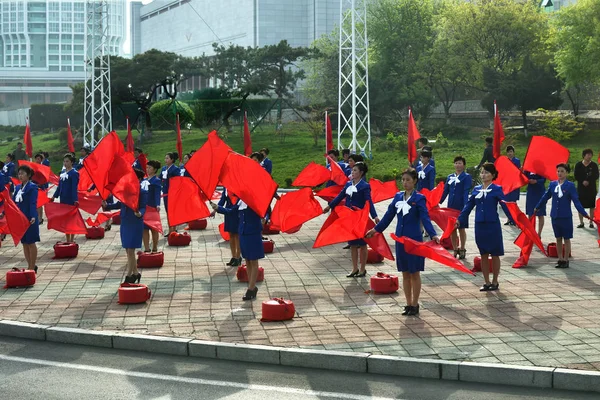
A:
(42, 46)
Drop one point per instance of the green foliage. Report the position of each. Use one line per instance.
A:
(163, 113)
(559, 126)
(441, 141)
(51, 116)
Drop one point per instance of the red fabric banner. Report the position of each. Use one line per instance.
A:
(205, 167)
(433, 251)
(247, 138)
(70, 140)
(65, 218)
(498, 134)
(41, 173)
(413, 135)
(88, 202)
(526, 246)
(14, 221)
(295, 208)
(509, 176)
(329, 193)
(328, 134)
(186, 202)
(443, 216)
(525, 225)
(378, 242)
(42, 198)
(143, 160)
(101, 218)
(27, 141)
(130, 144)
(449, 228)
(152, 219)
(342, 225)
(122, 181)
(337, 173)
(543, 155)
(312, 175)
(433, 196)
(381, 191)
(99, 162)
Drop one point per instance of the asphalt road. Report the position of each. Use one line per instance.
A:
(44, 370)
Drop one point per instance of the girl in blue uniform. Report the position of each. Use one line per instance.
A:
(67, 186)
(137, 152)
(232, 222)
(334, 155)
(535, 190)
(515, 194)
(352, 160)
(182, 171)
(425, 172)
(488, 231)
(167, 172)
(39, 158)
(25, 197)
(46, 160)
(84, 152)
(356, 192)
(153, 185)
(9, 170)
(457, 189)
(562, 192)
(410, 209)
(132, 229)
(266, 163)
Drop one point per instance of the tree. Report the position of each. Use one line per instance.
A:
(575, 40)
(322, 83)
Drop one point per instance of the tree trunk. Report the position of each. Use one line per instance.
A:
(524, 115)
(574, 100)
(447, 112)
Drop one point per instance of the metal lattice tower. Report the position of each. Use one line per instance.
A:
(353, 95)
(97, 110)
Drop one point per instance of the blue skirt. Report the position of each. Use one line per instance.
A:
(530, 203)
(252, 246)
(32, 234)
(513, 196)
(132, 229)
(465, 226)
(488, 237)
(357, 242)
(562, 227)
(232, 222)
(407, 262)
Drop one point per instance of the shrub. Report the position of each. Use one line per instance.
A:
(163, 114)
(441, 141)
(557, 125)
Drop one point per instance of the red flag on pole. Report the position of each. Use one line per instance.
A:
(207, 162)
(131, 145)
(526, 246)
(381, 191)
(312, 175)
(179, 143)
(343, 224)
(329, 193)
(543, 155)
(99, 162)
(27, 140)
(413, 135)
(152, 219)
(186, 202)
(337, 173)
(378, 242)
(65, 218)
(295, 208)
(525, 225)
(247, 139)
(433, 196)
(498, 133)
(16, 222)
(70, 140)
(328, 134)
(509, 176)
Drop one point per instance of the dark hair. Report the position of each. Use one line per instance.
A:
(138, 150)
(20, 143)
(565, 166)
(27, 169)
(154, 164)
(46, 154)
(86, 149)
(426, 154)
(346, 151)
(70, 156)
(412, 173)
(356, 157)
(423, 140)
(509, 148)
(335, 152)
(460, 158)
(173, 156)
(11, 156)
(139, 173)
(39, 155)
(362, 167)
(192, 152)
(491, 168)
(489, 140)
(257, 155)
(188, 155)
(587, 151)
(265, 150)
(1, 165)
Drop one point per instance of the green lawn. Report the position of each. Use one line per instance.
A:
(292, 154)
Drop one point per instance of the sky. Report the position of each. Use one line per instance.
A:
(127, 42)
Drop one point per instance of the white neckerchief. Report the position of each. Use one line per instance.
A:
(81, 160)
(403, 206)
(351, 189)
(5, 168)
(558, 189)
(453, 180)
(242, 205)
(145, 185)
(182, 172)
(19, 195)
(64, 175)
(166, 172)
(483, 192)
(421, 174)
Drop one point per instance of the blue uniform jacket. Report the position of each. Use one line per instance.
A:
(183, 172)
(67, 187)
(28, 203)
(46, 162)
(250, 222)
(358, 198)
(79, 165)
(225, 200)
(408, 224)
(561, 206)
(9, 171)
(154, 191)
(127, 214)
(136, 164)
(457, 193)
(486, 207)
(166, 174)
(534, 191)
(428, 182)
(267, 165)
(347, 171)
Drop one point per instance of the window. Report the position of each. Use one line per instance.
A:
(66, 68)
(66, 6)
(66, 47)
(53, 47)
(79, 28)
(54, 27)
(53, 57)
(66, 27)
(53, 68)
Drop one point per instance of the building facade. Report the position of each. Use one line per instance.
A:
(42, 47)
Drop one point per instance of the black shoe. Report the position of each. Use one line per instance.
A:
(485, 287)
(494, 287)
(107, 228)
(414, 310)
(250, 294)
(130, 278)
(137, 277)
(235, 262)
(462, 254)
(361, 274)
(507, 223)
(231, 261)
(35, 268)
(592, 225)
(581, 225)
(562, 264)
(352, 274)
(346, 247)
(406, 310)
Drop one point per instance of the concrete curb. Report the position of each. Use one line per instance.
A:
(539, 377)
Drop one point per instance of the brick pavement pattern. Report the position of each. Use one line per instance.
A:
(541, 316)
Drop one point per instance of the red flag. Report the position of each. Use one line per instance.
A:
(65, 218)
(131, 144)
(224, 234)
(53, 178)
(85, 181)
(525, 225)
(329, 193)
(509, 176)
(342, 225)
(413, 136)
(526, 246)
(207, 162)
(596, 215)
(498, 133)
(70, 140)
(143, 160)
(247, 138)
(433, 196)
(433, 251)
(449, 228)
(16, 222)
(88, 202)
(381, 191)
(123, 183)
(328, 134)
(543, 155)
(378, 242)
(186, 202)
(99, 162)
(249, 181)
(101, 218)
(27, 140)
(442, 216)
(41, 173)
(152, 219)
(295, 208)
(42, 198)
(337, 173)
(179, 143)
(312, 175)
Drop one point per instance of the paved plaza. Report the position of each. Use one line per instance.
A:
(541, 316)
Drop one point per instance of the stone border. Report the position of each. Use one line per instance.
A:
(539, 377)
